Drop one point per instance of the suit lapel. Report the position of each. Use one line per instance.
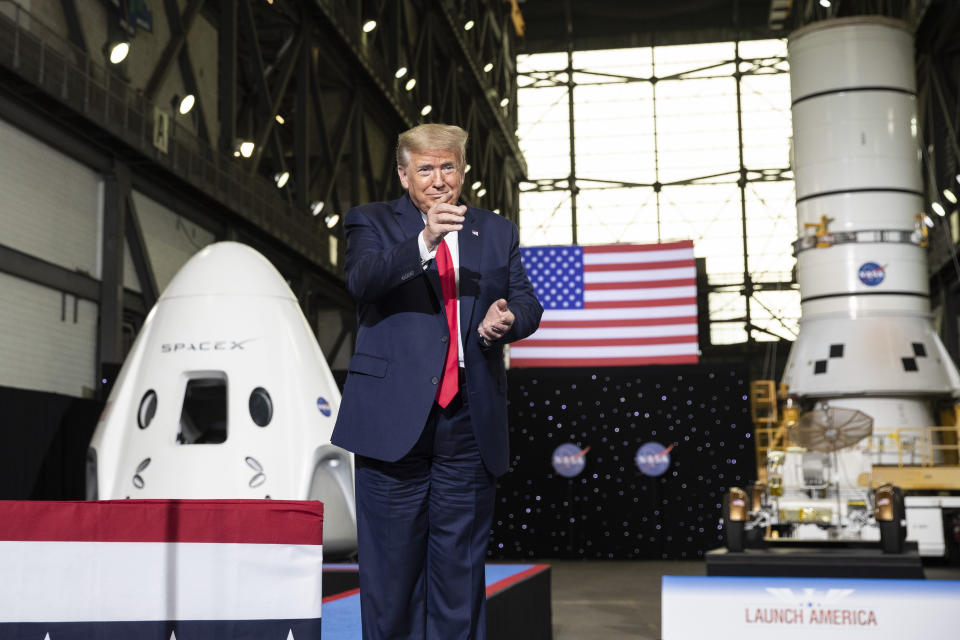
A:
(408, 217)
(411, 224)
(470, 257)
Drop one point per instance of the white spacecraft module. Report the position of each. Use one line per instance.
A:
(866, 338)
(226, 394)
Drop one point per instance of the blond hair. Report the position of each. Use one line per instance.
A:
(432, 137)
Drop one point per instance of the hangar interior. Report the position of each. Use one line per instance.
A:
(134, 134)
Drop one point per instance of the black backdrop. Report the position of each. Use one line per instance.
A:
(612, 510)
(43, 444)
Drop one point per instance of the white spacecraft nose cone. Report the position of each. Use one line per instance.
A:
(228, 268)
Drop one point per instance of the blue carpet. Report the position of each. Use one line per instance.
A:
(341, 618)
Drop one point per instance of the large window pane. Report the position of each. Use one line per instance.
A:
(696, 129)
(668, 116)
(617, 215)
(546, 218)
(771, 230)
(708, 214)
(616, 142)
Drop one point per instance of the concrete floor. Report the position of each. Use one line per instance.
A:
(620, 600)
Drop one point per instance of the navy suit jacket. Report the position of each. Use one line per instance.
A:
(402, 333)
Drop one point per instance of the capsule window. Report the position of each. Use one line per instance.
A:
(261, 407)
(148, 409)
(203, 419)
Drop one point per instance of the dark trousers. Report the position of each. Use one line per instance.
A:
(423, 524)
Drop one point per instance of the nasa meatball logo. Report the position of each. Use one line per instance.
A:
(653, 459)
(569, 460)
(872, 274)
(324, 406)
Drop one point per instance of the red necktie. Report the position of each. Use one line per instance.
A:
(450, 384)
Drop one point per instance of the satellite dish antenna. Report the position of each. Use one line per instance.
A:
(828, 429)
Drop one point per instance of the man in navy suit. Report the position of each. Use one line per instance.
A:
(440, 289)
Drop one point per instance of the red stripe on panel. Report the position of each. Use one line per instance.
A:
(340, 596)
(222, 521)
(500, 585)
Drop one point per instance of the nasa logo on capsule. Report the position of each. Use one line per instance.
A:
(872, 274)
(653, 459)
(569, 460)
(324, 406)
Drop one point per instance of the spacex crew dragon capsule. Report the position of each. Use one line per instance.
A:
(225, 394)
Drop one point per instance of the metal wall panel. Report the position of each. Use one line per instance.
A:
(51, 204)
(48, 340)
(130, 280)
(171, 239)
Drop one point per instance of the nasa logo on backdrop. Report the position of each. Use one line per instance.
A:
(653, 459)
(324, 406)
(872, 274)
(569, 460)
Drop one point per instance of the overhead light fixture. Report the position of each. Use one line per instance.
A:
(402, 71)
(369, 26)
(186, 104)
(476, 185)
(505, 102)
(487, 68)
(281, 179)
(279, 118)
(331, 220)
(426, 109)
(825, 4)
(938, 209)
(958, 178)
(496, 211)
(949, 195)
(468, 25)
(411, 83)
(481, 193)
(119, 51)
(927, 220)
(236, 153)
(246, 148)
(316, 207)
(467, 168)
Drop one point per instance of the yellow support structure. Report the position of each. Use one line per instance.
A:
(938, 450)
(769, 430)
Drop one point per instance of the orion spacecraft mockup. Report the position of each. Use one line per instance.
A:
(226, 394)
(868, 372)
(866, 338)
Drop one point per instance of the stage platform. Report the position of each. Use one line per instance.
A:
(817, 559)
(518, 602)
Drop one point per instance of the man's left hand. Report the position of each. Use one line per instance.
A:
(497, 322)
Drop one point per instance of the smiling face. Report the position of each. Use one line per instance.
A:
(430, 177)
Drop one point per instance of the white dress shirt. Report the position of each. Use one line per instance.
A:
(425, 258)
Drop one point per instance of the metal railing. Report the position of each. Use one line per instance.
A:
(64, 72)
(934, 446)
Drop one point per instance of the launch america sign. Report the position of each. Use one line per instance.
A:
(808, 607)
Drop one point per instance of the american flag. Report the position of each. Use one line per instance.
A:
(611, 305)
